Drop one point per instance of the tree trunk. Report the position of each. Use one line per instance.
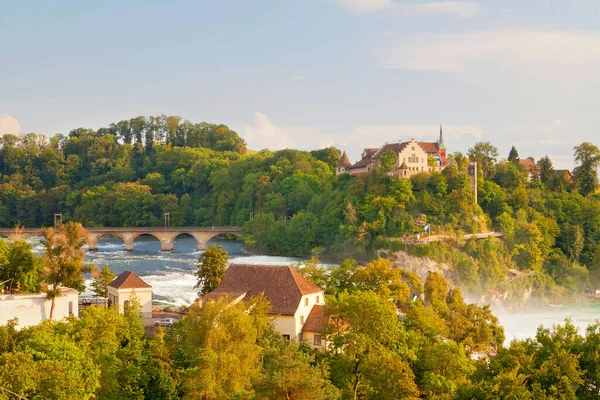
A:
(51, 308)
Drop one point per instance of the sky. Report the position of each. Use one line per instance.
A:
(308, 74)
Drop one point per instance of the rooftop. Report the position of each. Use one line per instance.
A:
(128, 280)
(281, 285)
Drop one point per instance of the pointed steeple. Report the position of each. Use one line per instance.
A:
(441, 144)
(344, 161)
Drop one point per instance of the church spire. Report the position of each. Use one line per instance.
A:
(441, 144)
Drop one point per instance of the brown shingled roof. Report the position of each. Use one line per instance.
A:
(344, 161)
(317, 320)
(281, 285)
(527, 163)
(128, 280)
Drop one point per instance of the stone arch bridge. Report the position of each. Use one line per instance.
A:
(166, 236)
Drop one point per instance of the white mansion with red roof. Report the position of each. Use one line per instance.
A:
(296, 304)
(412, 157)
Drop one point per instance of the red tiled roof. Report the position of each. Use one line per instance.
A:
(281, 285)
(317, 320)
(429, 147)
(128, 280)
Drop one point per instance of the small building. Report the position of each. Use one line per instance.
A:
(296, 303)
(564, 175)
(412, 157)
(33, 308)
(533, 171)
(126, 286)
(313, 330)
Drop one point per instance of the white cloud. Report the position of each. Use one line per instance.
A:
(456, 8)
(9, 124)
(382, 133)
(264, 134)
(365, 5)
(495, 58)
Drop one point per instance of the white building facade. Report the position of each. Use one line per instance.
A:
(33, 308)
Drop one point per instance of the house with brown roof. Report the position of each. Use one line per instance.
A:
(296, 303)
(412, 157)
(533, 171)
(127, 285)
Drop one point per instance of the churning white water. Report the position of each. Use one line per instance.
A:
(171, 274)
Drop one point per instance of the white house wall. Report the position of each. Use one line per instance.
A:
(144, 296)
(304, 310)
(32, 309)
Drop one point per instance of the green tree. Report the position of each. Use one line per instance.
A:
(485, 154)
(513, 155)
(288, 374)
(211, 269)
(587, 156)
(546, 169)
(388, 160)
(222, 356)
(64, 258)
(102, 277)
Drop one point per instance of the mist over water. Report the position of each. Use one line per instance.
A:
(524, 323)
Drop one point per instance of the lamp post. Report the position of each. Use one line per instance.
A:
(472, 170)
(57, 219)
(167, 220)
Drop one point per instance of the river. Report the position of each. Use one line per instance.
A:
(171, 275)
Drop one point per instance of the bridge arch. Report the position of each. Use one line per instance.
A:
(94, 237)
(159, 236)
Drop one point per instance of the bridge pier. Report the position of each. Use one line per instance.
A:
(202, 246)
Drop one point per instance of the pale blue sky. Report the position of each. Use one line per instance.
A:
(311, 73)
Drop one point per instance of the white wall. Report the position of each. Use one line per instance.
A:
(285, 325)
(420, 164)
(32, 309)
(304, 309)
(292, 325)
(144, 295)
(309, 338)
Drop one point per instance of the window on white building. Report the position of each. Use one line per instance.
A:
(302, 320)
(70, 308)
(286, 337)
(317, 340)
(306, 302)
(318, 299)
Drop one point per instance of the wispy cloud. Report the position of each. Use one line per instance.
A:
(455, 8)
(464, 9)
(361, 6)
(489, 58)
(265, 134)
(9, 124)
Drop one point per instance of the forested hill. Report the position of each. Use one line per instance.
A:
(291, 203)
